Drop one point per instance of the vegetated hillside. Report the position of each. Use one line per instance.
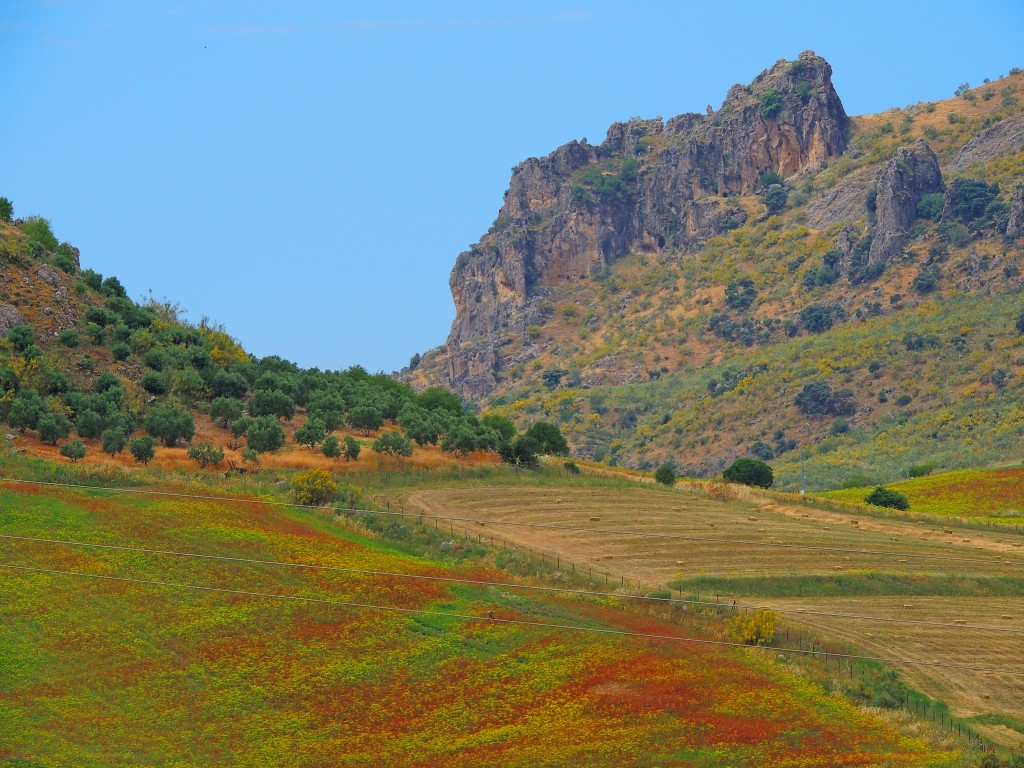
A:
(186, 677)
(771, 279)
(88, 373)
(987, 495)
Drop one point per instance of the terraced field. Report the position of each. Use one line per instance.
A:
(728, 549)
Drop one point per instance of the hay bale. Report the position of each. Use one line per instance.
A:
(595, 519)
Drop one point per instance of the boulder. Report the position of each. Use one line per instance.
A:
(9, 318)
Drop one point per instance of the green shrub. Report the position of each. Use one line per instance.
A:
(352, 448)
(143, 449)
(548, 439)
(314, 488)
(69, 338)
(920, 470)
(6, 209)
(927, 279)
(665, 474)
(816, 318)
(771, 103)
(886, 497)
(74, 450)
(169, 424)
(751, 472)
(38, 230)
(394, 444)
(120, 351)
(930, 207)
(153, 382)
(775, 200)
(331, 447)
(264, 435)
(53, 427)
(113, 440)
(205, 454)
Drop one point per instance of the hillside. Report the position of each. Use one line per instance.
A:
(132, 382)
(669, 293)
(180, 676)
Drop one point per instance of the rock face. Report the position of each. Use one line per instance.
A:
(650, 185)
(9, 318)
(1005, 136)
(1015, 223)
(911, 174)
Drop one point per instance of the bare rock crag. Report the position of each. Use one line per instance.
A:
(650, 185)
(910, 175)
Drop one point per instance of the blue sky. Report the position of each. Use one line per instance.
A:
(307, 172)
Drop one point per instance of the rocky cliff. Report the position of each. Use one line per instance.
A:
(910, 175)
(651, 185)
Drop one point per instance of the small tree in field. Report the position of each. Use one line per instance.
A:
(265, 435)
(548, 438)
(113, 440)
(311, 433)
(314, 488)
(205, 454)
(352, 448)
(53, 427)
(751, 472)
(170, 424)
(225, 410)
(753, 628)
(331, 447)
(143, 449)
(394, 444)
(74, 450)
(665, 474)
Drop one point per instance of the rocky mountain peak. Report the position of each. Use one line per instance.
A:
(650, 185)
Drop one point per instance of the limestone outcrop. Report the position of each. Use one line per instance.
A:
(910, 175)
(649, 186)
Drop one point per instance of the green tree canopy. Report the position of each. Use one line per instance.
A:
(548, 438)
(311, 433)
(143, 449)
(752, 472)
(265, 435)
(169, 424)
(113, 440)
(53, 427)
(205, 454)
(886, 497)
(352, 448)
(226, 410)
(665, 474)
(394, 444)
(74, 450)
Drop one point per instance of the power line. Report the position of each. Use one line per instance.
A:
(544, 526)
(471, 617)
(507, 585)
